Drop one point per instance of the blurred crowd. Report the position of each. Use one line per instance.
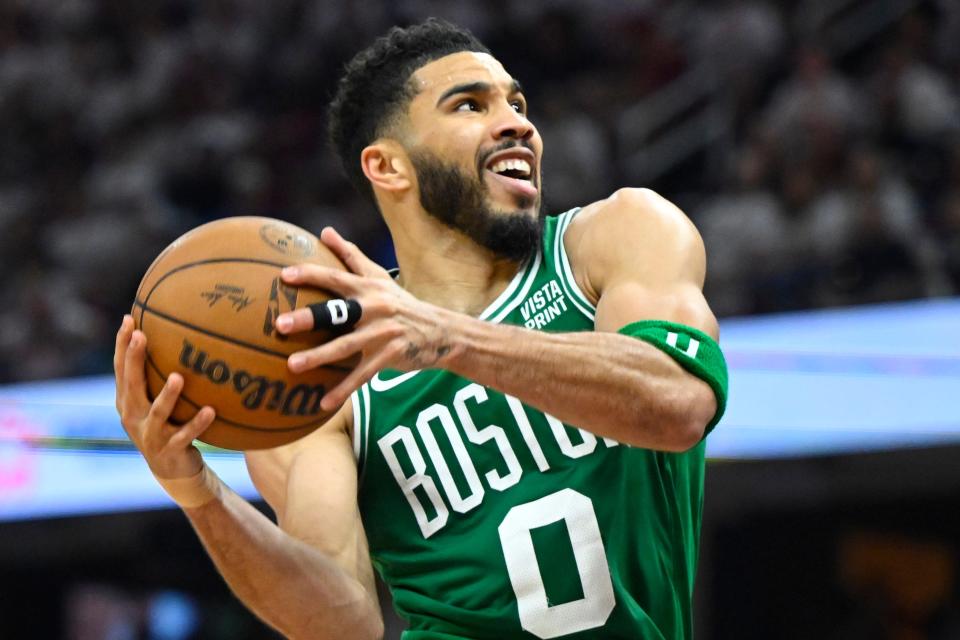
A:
(829, 173)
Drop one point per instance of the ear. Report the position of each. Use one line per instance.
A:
(386, 165)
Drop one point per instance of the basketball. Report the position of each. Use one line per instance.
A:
(207, 305)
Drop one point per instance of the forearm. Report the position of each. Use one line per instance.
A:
(287, 583)
(610, 384)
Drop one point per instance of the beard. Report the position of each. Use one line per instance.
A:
(461, 203)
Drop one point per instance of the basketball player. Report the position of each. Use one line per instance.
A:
(520, 451)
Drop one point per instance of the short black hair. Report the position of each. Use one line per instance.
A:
(376, 84)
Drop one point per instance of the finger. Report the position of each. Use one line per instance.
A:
(134, 375)
(162, 407)
(336, 314)
(294, 321)
(119, 356)
(338, 281)
(341, 348)
(193, 429)
(350, 255)
(360, 374)
(120, 347)
(370, 308)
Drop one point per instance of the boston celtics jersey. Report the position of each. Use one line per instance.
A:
(489, 518)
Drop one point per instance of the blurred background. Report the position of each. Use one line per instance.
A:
(815, 143)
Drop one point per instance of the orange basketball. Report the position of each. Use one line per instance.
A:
(207, 305)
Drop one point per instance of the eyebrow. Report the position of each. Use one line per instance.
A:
(475, 87)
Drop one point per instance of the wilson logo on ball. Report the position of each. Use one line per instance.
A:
(254, 390)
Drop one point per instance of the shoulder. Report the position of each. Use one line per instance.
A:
(632, 216)
(636, 230)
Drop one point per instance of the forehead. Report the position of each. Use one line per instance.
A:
(456, 68)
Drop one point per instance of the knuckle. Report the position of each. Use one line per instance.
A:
(394, 349)
(384, 304)
(392, 329)
(352, 344)
(371, 303)
(398, 328)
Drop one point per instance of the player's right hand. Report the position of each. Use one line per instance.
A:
(167, 448)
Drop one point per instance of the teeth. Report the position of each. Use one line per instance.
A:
(514, 164)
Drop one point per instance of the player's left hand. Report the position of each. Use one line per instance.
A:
(395, 330)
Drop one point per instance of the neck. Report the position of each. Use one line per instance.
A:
(444, 267)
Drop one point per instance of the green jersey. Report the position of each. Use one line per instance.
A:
(489, 518)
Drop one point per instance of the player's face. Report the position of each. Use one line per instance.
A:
(477, 156)
(461, 201)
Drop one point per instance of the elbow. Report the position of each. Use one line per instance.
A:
(682, 419)
(694, 411)
(368, 628)
(370, 624)
(681, 435)
(359, 620)
(375, 629)
(687, 435)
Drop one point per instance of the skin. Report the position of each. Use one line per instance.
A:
(310, 576)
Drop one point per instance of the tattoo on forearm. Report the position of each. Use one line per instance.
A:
(413, 352)
(425, 353)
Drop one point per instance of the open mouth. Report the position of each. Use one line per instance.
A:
(513, 170)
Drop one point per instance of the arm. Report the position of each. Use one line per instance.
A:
(605, 382)
(610, 384)
(309, 578)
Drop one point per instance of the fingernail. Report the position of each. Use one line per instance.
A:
(284, 323)
(289, 272)
(296, 362)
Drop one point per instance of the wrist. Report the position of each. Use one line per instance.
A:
(450, 346)
(193, 491)
(471, 342)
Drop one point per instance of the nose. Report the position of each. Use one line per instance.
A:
(512, 125)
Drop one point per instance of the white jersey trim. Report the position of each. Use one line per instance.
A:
(565, 272)
(531, 276)
(357, 424)
(505, 296)
(365, 390)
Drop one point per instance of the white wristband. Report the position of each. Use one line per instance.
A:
(195, 491)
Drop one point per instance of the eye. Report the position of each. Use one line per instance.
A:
(519, 106)
(467, 104)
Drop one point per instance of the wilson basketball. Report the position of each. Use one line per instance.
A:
(207, 305)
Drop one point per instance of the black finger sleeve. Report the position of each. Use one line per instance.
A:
(335, 314)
